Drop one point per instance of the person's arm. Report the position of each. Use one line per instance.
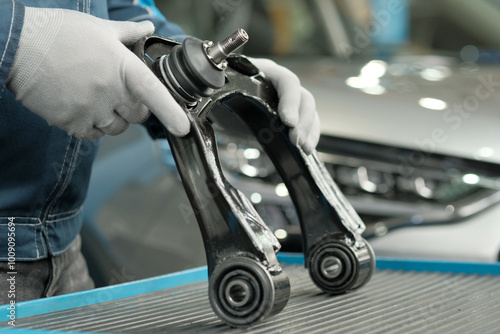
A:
(11, 23)
(91, 85)
(141, 10)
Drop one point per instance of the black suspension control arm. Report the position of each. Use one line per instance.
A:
(240, 248)
(246, 282)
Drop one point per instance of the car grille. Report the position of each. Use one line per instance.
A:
(389, 187)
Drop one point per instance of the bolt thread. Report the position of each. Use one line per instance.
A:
(222, 49)
(233, 41)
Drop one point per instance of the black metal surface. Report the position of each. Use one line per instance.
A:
(392, 302)
(231, 228)
(240, 248)
(325, 215)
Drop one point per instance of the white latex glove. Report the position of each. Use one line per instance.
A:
(296, 107)
(74, 70)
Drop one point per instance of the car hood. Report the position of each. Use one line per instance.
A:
(428, 103)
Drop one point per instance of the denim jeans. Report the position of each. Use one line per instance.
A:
(44, 175)
(49, 277)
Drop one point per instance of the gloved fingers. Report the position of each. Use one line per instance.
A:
(314, 135)
(132, 110)
(307, 143)
(307, 108)
(116, 126)
(130, 32)
(93, 134)
(306, 133)
(288, 87)
(110, 124)
(147, 89)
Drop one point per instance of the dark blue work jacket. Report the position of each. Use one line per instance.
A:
(44, 173)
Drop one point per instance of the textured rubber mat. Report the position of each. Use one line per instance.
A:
(392, 302)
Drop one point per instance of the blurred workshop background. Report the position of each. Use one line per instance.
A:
(408, 96)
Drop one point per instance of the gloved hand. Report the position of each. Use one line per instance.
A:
(296, 107)
(74, 70)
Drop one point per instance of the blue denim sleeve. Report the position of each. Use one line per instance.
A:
(130, 10)
(11, 23)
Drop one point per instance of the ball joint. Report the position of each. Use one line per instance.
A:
(195, 68)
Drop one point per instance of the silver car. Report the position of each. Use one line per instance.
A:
(408, 96)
